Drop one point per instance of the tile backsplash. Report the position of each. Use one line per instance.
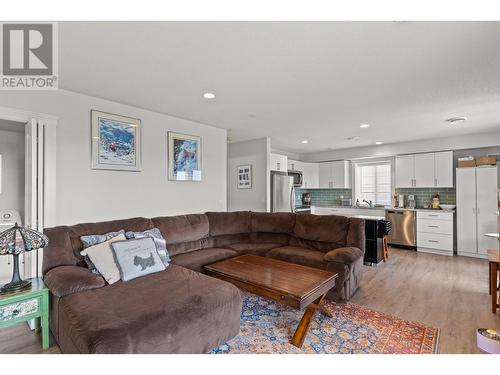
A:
(423, 196)
(323, 196)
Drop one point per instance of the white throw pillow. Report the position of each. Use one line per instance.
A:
(103, 259)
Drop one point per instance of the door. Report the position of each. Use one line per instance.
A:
(424, 170)
(325, 175)
(34, 192)
(466, 211)
(443, 169)
(282, 198)
(405, 171)
(487, 206)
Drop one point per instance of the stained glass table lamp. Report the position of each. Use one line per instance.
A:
(11, 244)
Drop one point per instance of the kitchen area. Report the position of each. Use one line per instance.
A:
(439, 202)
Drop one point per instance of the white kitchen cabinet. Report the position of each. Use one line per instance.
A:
(424, 170)
(405, 171)
(435, 232)
(295, 165)
(279, 162)
(335, 174)
(433, 169)
(487, 206)
(476, 210)
(443, 169)
(310, 175)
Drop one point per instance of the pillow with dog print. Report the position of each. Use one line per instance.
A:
(136, 258)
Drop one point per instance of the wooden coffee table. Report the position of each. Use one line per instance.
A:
(291, 284)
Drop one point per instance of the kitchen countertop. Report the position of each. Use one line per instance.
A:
(357, 207)
(420, 209)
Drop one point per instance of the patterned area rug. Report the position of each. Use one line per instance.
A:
(267, 327)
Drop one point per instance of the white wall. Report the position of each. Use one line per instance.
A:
(256, 153)
(12, 151)
(438, 144)
(84, 194)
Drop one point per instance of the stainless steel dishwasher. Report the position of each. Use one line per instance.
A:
(404, 228)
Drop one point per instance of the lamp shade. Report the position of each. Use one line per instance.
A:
(10, 244)
(32, 240)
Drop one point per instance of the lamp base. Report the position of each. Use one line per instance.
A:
(15, 286)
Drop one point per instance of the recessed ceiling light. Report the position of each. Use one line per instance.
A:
(304, 141)
(455, 120)
(209, 95)
(364, 126)
(379, 143)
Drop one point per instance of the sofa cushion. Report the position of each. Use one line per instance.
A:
(260, 237)
(345, 255)
(64, 280)
(195, 260)
(173, 311)
(276, 222)
(182, 229)
(327, 228)
(356, 236)
(228, 239)
(299, 255)
(253, 248)
(229, 222)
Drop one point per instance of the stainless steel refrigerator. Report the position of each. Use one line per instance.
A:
(282, 192)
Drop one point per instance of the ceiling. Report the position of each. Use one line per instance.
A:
(11, 126)
(294, 81)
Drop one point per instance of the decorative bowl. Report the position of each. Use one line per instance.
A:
(448, 207)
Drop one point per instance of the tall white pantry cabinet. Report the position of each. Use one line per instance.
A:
(476, 210)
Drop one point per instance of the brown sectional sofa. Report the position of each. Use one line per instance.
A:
(181, 310)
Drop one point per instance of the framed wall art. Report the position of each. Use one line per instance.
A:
(245, 177)
(116, 142)
(184, 157)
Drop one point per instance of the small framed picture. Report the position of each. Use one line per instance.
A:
(245, 177)
(184, 157)
(116, 142)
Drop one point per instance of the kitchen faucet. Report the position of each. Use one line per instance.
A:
(370, 203)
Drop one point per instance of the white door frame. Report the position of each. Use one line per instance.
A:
(48, 208)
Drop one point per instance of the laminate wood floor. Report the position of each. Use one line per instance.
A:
(447, 292)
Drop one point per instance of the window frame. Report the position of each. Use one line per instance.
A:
(368, 162)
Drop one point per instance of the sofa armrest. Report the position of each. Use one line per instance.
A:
(64, 280)
(346, 255)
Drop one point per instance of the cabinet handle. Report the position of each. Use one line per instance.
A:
(430, 215)
(433, 241)
(432, 226)
(278, 167)
(435, 182)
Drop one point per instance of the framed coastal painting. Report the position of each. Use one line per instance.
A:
(184, 157)
(245, 177)
(116, 142)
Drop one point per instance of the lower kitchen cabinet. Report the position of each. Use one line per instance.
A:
(435, 232)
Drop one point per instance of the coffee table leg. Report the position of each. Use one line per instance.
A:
(305, 322)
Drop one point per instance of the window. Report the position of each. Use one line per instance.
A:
(373, 182)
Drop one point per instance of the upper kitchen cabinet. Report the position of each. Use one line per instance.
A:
(433, 169)
(443, 167)
(424, 170)
(335, 174)
(279, 162)
(295, 165)
(405, 171)
(310, 175)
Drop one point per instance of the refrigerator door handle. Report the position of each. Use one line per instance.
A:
(292, 199)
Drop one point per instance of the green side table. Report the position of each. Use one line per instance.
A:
(31, 303)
